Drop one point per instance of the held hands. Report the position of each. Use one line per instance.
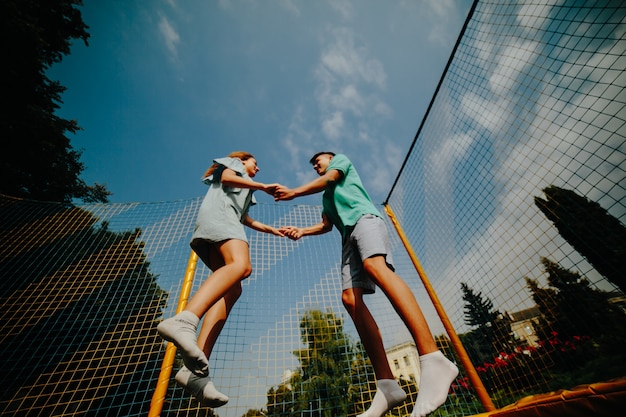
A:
(277, 232)
(292, 232)
(283, 193)
(271, 188)
(278, 191)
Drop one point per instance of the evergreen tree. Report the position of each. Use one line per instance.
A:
(493, 332)
(477, 311)
(571, 308)
(37, 160)
(594, 233)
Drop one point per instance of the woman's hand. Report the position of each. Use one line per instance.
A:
(293, 233)
(276, 232)
(271, 188)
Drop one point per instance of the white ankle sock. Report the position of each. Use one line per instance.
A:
(181, 330)
(388, 395)
(437, 373)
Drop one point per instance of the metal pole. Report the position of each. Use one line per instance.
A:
(454, 338)
(156, 405)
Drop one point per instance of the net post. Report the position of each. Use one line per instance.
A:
(158, 398)
(454, 338)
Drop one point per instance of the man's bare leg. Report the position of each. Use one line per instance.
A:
(388, 394)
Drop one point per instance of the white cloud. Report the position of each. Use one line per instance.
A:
(349, 80)
(451, 150)
(513, 60)
(290, 6)
(343, 7)
(170, 36)
(534, 15)
(344, 60)
(442, 12)
(564, 125)
(333, 126)
(441, 8)
(349, 99)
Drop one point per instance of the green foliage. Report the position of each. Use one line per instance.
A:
(493, 329)
(477, 311)
(580, 340)
(38, 162)
(96, 302)
(579, 329)
(571, 307)
(333, 370)
(254, 413)
(594, 233)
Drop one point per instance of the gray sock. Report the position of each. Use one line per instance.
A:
(200, 387)
(181, 330)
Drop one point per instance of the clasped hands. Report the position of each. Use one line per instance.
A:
(280, 193)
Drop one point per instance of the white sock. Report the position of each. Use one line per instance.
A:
(200, 387)
(437, 373)
(181, 330)
(388, 395)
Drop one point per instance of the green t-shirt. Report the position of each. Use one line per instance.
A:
(346, 201)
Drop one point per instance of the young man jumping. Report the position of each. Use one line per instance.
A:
(367, 263)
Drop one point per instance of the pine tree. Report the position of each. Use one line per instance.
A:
(594, 233)
(571, 307)
(477, 311)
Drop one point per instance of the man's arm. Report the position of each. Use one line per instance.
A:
(296, 233)
(315, 186)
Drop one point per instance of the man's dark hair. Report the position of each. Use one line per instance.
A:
(312, 160)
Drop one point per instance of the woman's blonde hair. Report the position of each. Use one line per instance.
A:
(244, 156)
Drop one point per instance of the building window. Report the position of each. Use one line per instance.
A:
(396, 364)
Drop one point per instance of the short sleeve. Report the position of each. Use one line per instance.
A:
(232, 163)
(341, 163)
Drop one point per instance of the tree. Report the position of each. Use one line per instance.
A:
(254, 413)
(88, 328)
(37, 160)
(493, 332)
(322, 385)
(571, 307)
(477, 311)
(581, 333)
(594, 233)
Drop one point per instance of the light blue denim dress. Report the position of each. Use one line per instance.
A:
(223, 209)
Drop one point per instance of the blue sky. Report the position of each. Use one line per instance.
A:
(165, 86)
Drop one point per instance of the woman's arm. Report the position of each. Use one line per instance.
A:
(261, 227)
(231, 179)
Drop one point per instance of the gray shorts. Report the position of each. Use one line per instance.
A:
(367, 238)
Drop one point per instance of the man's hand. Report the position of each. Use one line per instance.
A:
(293, 233)
(271, 188)
(283, 193)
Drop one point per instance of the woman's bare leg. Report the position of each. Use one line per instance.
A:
(215, 318)
(181, 329)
